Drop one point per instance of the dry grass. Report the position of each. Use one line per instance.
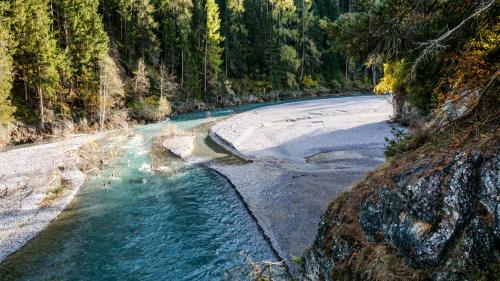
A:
(382, 265)
(170, 131)
(91, 157)
(55, 192)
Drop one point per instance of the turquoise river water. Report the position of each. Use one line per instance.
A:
(130, 223)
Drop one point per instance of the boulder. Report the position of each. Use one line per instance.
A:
(181, 146)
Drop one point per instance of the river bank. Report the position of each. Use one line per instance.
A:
(38, 182)
(299, 156)
(20, 133)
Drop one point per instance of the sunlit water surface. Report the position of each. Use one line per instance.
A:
(130, 223)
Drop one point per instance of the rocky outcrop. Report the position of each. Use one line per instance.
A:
(456, 108)
(404, 112)
(440, 219)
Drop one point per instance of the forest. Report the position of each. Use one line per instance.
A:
(89, 64)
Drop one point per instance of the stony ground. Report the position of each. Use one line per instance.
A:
(36, 183)
(302, 155)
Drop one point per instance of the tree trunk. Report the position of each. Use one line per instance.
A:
(302, 60)
(205, 67)
(100, 105)
(374, 75)
(225, 54)
(346, 69)
(103, 106)
(172, 58)
(182, 66)
(40, 104)
(25, 89)
(126, 38)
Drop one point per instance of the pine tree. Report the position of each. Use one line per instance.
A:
(236, 37)
(139, 30)
(309, 52)
(284, 57)
(6, 75)
(84, 39)
(36, 54)
(213, 40)
(177, 15)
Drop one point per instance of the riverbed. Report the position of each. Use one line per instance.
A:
(133, 223)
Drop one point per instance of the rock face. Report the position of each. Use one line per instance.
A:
(441, 219)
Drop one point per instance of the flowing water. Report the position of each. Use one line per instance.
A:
(130, 223)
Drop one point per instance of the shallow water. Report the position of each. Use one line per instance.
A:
(130, 223)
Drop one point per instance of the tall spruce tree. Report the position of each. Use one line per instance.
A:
(309, 54)
(284, 57)
(85, 40)
(139, 28)
(176, 23)
(236, 38)
(36, 54)
(6, 74)
(213, 49)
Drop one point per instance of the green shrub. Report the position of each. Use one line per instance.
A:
(360, 84)
(336, 85)
(403, 141)
(309, 83)
(260, 86)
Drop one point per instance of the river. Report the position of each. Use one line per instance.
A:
(130, 223)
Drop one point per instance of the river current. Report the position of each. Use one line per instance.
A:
(130, 223)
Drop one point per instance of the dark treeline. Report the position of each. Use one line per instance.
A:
(89, 61)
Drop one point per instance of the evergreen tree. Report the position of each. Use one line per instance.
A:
(6, 75)
(140, 29)
(36, 54)
(177, 15)
(84, 40)
(213, 40)
(309, 53)
(284, 57)
(236, 33)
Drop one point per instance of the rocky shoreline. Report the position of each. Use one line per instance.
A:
(20, 133)
(37, 184)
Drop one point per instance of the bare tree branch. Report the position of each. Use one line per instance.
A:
(434, 45)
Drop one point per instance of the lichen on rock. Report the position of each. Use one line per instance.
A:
(442, 219)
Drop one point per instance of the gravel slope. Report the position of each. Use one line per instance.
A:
(36, 184)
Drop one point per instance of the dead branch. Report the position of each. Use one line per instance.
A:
(434, 45)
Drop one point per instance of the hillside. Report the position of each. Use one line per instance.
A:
(75, 65)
